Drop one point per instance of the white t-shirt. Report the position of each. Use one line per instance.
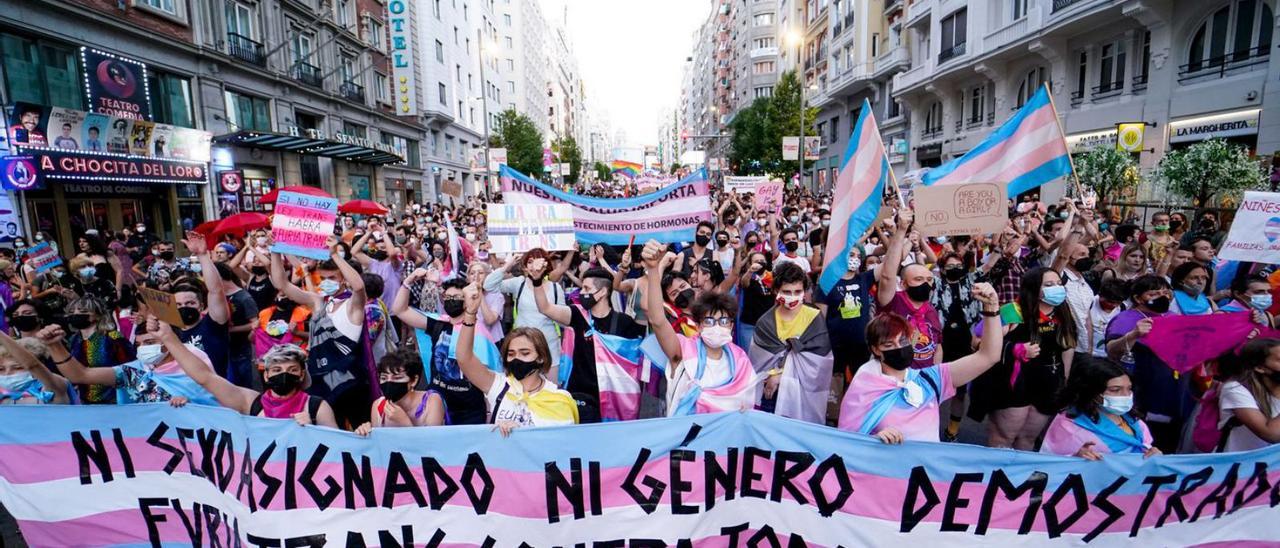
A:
(1235, 396)
(519, 412)
(1098, 320)
(801, 261)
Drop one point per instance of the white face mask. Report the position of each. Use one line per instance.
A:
(854, 263)
(716, 337)
(17, 382)
(1117, 405)
(150, 354)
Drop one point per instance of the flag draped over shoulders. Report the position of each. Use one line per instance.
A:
(805, 361)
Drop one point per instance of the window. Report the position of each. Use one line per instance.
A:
(1144, 67)
(977, 104)
(762, 20)
(762, 67)
(455, 36)
(240, 19)
(457, 72)
(1082, 75)
(167, 6)
(766, 42)
(933, 118)
(511, 86)
(506, 18)
(509, 43)
(345, 13)
(383, 87)
(835, 130)
(460, 111)
(1111, 67)
(373, 34)
(875, 45)
(301, 47)
(412, 153)
(170, 99)
(1238, 32)
(248, 112)
(436, 9)
(439, 51)
(354, 130)
(347, 68)
(954, 30)
(1019, 9)
(443, 94)
(43, 74)
(766, 91)
(1031, 84)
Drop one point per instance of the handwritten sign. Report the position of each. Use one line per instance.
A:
(451, 187)
(302, 224)
(768, 196)
(162, 305)
(519, 228)
(1255, 232)
(964, 209)
(43, 257)
(742, 184)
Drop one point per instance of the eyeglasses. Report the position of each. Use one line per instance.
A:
(723, 321)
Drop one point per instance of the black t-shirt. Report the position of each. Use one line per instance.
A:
(263, 293)
(462, 399)
(687, 259)
(211, 337)
(756, 299)
(243, 311)
(583, 376)
(849, 308)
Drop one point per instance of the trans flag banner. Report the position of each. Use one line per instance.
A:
(1029, 150)
(670, 215)
(152, 475)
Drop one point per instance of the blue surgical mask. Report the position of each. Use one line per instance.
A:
(329, 287)
(87, 272)
(150, 354)
(1117, 405)
(1053, 296)
(17, 383)
(1260, 302)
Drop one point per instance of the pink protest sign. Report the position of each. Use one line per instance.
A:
(1184, 342)
(302, 223)
(768, 196)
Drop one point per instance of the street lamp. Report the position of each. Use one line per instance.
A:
(484, 84)
(795, 37)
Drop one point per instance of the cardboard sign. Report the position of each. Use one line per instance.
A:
(1255, 232)
(302, 224)
(519, 228)
(791, 148)
(964, 209)
(768, 196)
(742, 185)
(42, 257)
(162, 305)
(451, 187)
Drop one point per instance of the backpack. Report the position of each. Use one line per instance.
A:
(1205, 434)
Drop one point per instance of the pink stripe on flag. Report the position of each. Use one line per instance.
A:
(1000, 153)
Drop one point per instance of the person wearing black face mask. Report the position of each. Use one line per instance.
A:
(698, 250)
(402, 404)
(1164, 395)
(95, 342)
(959, 312)
(436, 336)
(385, 261)
(916, 394)
(523, 395)
(596, 315)
(26, 317)
(284, 375)
(914, 302)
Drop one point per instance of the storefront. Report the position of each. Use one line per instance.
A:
(76, 171)
(1239, 127)
(929, 155)
(1079, 143)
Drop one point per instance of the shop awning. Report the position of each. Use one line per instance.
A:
(351, 149)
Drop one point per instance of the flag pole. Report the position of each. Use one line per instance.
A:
(1063, 133)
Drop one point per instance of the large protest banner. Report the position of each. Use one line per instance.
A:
(669, 215)
(302, 223)
(154, 475)
(743, 184)
(1255, 232)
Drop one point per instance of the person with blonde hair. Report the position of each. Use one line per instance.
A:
(24, 380)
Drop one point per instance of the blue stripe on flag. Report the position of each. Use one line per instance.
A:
(1048, 171)
(861, 218)
(1006, 130)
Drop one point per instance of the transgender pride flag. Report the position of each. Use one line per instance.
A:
(859, 188)
(1029, 150)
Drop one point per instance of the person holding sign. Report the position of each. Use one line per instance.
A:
(204, 311)
(706, 372)
(891, 400)
(284, 374)
(521, 395)
(914, 301)
(336, 361)
(1100, 419)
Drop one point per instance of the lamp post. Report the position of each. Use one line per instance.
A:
(796, 37)
(484, 99)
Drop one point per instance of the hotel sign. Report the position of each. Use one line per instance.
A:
(403, 81)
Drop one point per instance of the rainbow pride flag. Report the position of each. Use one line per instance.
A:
(627, 169)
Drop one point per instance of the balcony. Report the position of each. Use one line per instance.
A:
(1010, 33)
(1106, 91)
(245, 49)
(895, 58)
(308, 74)
(836, 29)
(918, 74)
(1059, 5)
(352, 91)
(764, 52)
(1077, 97)
(918, 12)
(951, 52)
(1139, 84)
(1223, 65)
(890, 5)
(930, 133)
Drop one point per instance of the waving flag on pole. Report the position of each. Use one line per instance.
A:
(627, 169)
(1029, 150)
(859, 189)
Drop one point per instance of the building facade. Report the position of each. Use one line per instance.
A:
(1190, 70)
(292, 94)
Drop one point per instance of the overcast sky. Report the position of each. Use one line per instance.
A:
(631, 56)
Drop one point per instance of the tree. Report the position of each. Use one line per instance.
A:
(1208, 169)
(569, 152)
(675, 166)
(786, 115)
(602, 172)
(756, 145)
(1109, 172)
(518, 134)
